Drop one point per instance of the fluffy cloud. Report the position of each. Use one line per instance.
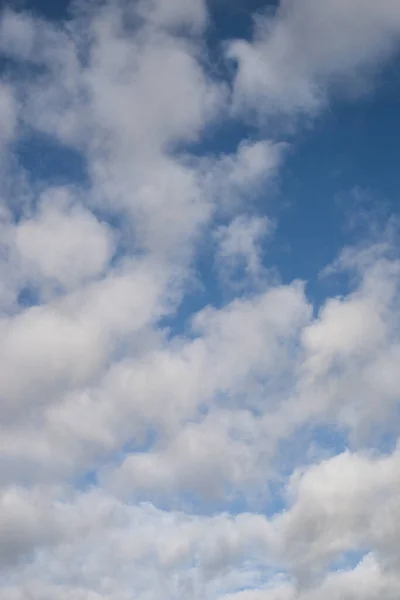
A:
(304, 49)
(146, 454)
(81, 246)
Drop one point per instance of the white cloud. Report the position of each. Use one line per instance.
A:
(63, 243)
(239, 249)
(303, 50)
(192, 13)
(335, 510)
(236, 179)
(106, 415)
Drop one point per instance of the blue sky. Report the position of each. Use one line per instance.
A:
(332, 171)
(199, 296)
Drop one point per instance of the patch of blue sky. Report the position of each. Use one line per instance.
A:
(347, 561)
(332, 186)
(203, 289)
(235, 18)
(141, 444)
(387, 441)
(13, 69)
(49, 9)
(229, 500)
(28, 296)
(326, 439)
(85, 481)
(308, 444)
(383, 437)
(327, 163)
(257, 577)
(50, 162)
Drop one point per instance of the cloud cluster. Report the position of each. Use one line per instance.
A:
(146, 457)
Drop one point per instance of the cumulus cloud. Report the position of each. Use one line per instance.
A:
(81, 247)
(305, 49)
(150, 448)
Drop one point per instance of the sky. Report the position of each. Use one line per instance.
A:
(199, 300)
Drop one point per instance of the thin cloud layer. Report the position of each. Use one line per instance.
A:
(152, 448)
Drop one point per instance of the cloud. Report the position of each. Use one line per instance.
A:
(175, 14)
(305, 49)
(157, 444)
(81, 246)
(239, 249)
(8, 114)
